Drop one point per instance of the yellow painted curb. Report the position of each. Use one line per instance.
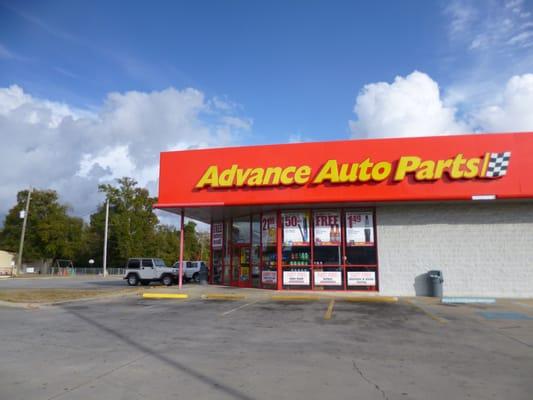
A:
(364, 299)
(295, 298)
(215, 296)
(165, 296)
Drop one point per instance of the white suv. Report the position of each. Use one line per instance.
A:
(146, 270)
(191, 269)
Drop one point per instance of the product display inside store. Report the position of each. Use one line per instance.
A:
(317, 249)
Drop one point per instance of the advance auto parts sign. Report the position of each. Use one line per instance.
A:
(488, 166)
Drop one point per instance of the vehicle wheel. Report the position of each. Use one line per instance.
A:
(133, 280)
(166, 280)
(196, 277)
(145, 283)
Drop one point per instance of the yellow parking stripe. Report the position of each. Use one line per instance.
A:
(428, 313)
(165, 296)
(329, 311)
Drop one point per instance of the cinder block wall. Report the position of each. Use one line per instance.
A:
(483, 249)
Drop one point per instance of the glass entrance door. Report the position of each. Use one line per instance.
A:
(241, 271)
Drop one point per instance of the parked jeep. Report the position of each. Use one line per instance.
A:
(191, 269)
(146, 270)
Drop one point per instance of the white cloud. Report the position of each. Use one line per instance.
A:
(522, 38)
(409, 106)
(461, 17)
(412, 106)
(489, 27)
(515, 111)
(48, 144)
(240, 123)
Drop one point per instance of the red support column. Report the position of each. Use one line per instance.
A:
(182, 234)
(211, 267)
(279, 255)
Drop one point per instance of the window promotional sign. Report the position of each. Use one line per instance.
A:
(295, 228)
(217, 230)
(296, 278)
(328, 278)
(268, 229)
(359, 228)
(361, 278)
(269, 277)
(327, 228)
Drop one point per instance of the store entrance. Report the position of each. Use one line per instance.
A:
(241, 273)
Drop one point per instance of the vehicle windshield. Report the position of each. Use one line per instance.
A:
(159, 263)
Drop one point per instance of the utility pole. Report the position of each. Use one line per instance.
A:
(105, 235)
(182, 235)
(21, 244)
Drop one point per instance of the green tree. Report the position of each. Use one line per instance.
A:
(168, 243)
(50, 232)
(132, 223)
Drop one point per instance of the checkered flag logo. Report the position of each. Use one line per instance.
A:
(498, 164)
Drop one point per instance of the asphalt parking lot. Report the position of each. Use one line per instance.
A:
(130, 348)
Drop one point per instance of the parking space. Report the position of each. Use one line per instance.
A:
(258, 349)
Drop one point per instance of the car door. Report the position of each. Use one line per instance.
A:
(189, 265)
(147, 269)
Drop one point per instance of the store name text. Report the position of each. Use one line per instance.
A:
(490, 165)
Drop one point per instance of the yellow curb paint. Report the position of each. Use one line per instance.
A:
(223, 297)
(294, 298)
(329, 311)
(426, 312)
(165, 296)
(363, 299)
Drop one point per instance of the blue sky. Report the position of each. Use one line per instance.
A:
(296, 67)
(258, 72)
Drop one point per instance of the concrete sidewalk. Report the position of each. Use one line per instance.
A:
(220, 292)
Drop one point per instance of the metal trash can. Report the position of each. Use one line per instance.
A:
(202, 275)
(435, 282)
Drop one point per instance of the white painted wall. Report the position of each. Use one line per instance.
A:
(5, 262)
(483, 249)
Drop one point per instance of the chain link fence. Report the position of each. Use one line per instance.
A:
(73, 271)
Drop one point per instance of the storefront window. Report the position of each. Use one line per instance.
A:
(241, 230)
(360, 245)
(325, 249)
(361, 256)
(217, 246)
(361, 253)
(256, 237)
(327, 237)
(227, 254)
(296, 250)
(269, 258)
(296, 234)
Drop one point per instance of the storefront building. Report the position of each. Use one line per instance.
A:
(364, 215)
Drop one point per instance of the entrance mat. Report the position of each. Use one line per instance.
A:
(504, 315)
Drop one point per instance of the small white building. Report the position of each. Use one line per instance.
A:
(6, 262)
